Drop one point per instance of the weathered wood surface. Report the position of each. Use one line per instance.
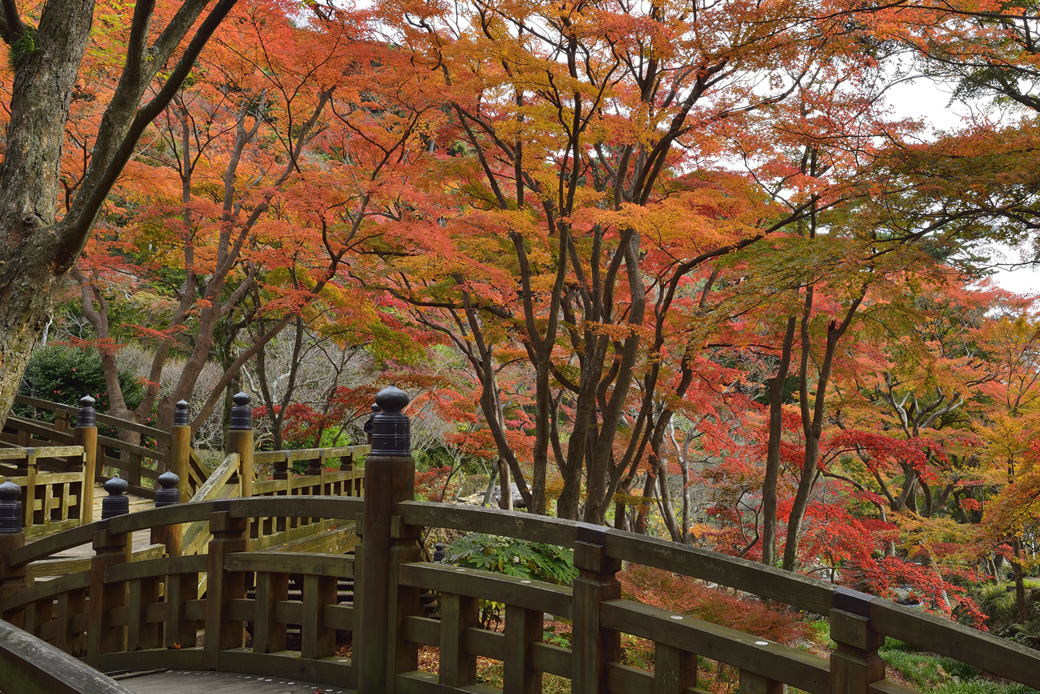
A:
(187, 682)
(303, 587)
(77, 558)
(997, 655)
(784, 586)
(524, 526)
(31, 666)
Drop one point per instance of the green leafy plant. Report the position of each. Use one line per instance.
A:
(519, 558)
(923, 670)
(533, 560)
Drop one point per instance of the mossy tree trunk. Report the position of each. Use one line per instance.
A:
(39, 243)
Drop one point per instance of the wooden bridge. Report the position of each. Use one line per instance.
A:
(121, 614)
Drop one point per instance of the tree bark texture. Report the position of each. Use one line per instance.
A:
(39, 247)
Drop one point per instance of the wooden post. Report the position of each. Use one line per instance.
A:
(61, 418)
(523, 628)
(12, 537)
(29, 504)
(269, 635)
(168, 495)
(109, 550)
(222, 586)
(675, 670)
(593, 646)
(750, 683)
(506, 500)
(405, 601)
(86, 434)
(389, 479)
(240, 440)
(181, 589)
(281, 469)
(457, 668)
(180, 449)
(317, 639)
(856, 664)
(133, 473)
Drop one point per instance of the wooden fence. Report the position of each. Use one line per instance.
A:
(151, 614)
(51, 479)
(52, 475)
(31, 666)
(136, 452)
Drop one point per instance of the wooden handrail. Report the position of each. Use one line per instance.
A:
(593, 604)
(292, 455)
(195, 469)
(39, 429)
(142, 429)
(125, 447)
(29, 665)
(806, 671)
(999, 656)
(475, 519)
(101, 418)
(216, 481)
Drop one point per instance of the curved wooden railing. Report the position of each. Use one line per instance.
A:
(137, 464)
(29, 665)
(39, 456)
(150, 614)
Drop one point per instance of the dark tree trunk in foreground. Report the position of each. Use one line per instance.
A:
(38, 247)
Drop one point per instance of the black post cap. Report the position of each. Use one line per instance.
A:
(241, 413)
(180, 415)
(438, 552)
(391, 430)
(87, 415)
(10, 508)
(368, 424)
(115, 504)
(168, 495)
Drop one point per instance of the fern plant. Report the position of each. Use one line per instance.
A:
(531, 560)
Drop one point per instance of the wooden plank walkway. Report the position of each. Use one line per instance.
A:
(187, 682)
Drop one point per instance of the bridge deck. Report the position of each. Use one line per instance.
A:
(187, 682)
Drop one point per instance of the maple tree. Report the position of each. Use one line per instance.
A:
(41, 237)
(586, 196)
(254, 188)
(674, 264)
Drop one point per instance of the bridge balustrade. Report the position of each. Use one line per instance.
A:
(318, 478)
(51, 459)
(51, 479)
(148, 614)
(153, 614)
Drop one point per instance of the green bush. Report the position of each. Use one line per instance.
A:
(65, 374)
(998, 601)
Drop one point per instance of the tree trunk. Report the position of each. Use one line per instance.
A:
(812, 423)
(1020, 583)
(32, 256)
(38, 249)
(776, 395)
